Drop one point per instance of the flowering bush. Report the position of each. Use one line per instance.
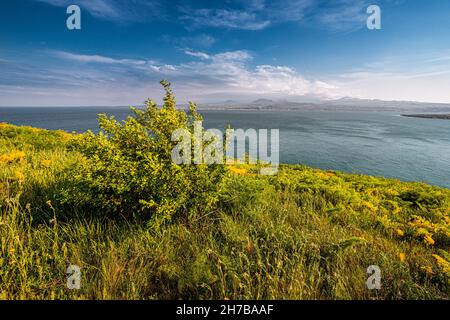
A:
(129, 168)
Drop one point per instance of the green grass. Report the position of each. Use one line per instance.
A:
(301, 234)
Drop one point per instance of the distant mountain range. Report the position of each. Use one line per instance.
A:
(343, 104)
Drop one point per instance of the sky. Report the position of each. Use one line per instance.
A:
(217, 51)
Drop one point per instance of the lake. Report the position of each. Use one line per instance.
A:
(374, 143)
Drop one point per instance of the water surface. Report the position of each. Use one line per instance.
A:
(380, 144)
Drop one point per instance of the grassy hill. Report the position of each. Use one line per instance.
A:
(140, 226)
(301, 234)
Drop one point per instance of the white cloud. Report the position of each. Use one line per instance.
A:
(197, 54)
(201, 40)
(95, 58)
(239, 55)
(115, 10)
(215, 76)
(235, 14)
(108, 80)
(226, 18)
(414, 77)
(281, 80)
(259, 14)
(232, 74)
(343, 15)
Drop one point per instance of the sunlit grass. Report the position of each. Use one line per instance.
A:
(301, 234)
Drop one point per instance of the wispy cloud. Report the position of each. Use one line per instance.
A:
(227, 74)
(230, 74)
(95, 58)
(197, 54)
(226, 18)
(121, 65)
(342, 15)
(414, 77)
(116, 10)
(251, 15)
(201, 40)
(260, 14)
(247, 15)
(102, 80)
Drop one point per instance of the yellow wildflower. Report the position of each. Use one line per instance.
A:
(427, 269)
(402, 257)
(18, 175)
(65, 136)
(369, 206)
(400, 232)
(442, 263)
(396, 210)
(324, 175)
(46, 163)
(237, 171)
(13, 156)
(420, 222)
(447, 219)
(428, 240)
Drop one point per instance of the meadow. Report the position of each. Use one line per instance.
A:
(141, 227)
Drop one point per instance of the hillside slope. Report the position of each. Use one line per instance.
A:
(302, 234)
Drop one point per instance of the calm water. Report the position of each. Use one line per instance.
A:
(381, 144)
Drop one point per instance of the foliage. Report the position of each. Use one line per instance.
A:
(129, 168)
(21, 137)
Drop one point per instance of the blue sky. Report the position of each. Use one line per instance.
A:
(214, 51)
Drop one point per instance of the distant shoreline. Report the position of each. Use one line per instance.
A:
(428, 116)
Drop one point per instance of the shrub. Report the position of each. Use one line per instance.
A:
(129, 169)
